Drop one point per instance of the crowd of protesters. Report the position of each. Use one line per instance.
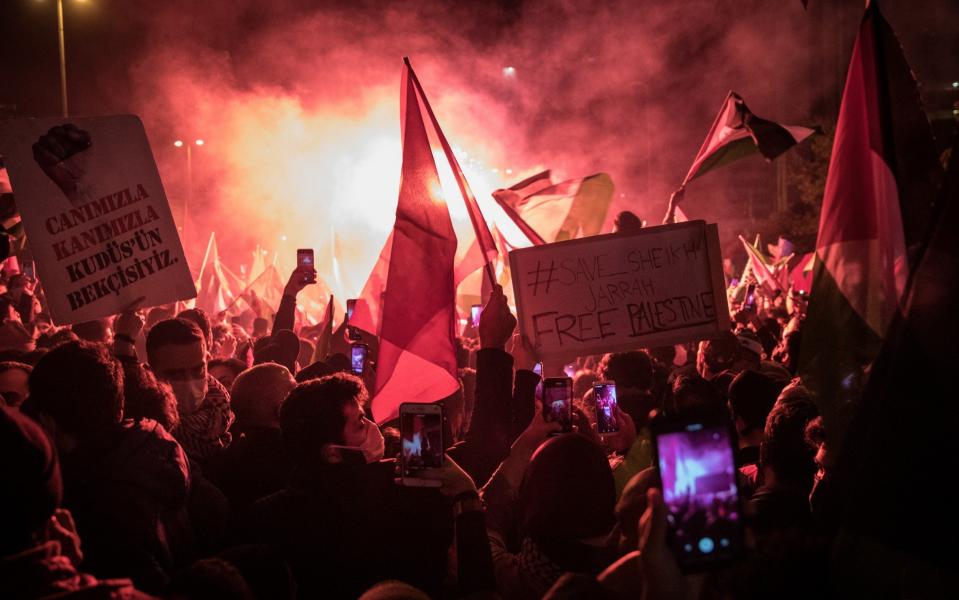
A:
(190, 455)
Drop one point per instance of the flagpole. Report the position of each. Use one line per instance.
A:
(206, 256)
(457, 171)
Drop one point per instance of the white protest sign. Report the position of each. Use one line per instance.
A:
(97, 220)
(662, 285)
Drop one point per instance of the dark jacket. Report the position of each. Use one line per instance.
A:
(125, 487)
(344, 528)
(254, 466)
(502, 410)
(43, 571)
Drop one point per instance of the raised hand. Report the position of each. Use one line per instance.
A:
(299, 279)
(496, 321)
(54, 153)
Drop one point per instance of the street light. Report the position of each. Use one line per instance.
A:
(189, 175)
(63, 59)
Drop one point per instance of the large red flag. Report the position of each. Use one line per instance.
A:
(415, 301)
(883, 175)
(484, 251)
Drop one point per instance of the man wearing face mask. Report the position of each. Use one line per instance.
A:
(342, 509)
(177, 354)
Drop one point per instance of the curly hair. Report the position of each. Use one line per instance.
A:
(312, 414)
(80, 386)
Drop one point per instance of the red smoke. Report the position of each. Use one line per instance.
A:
(299, 107)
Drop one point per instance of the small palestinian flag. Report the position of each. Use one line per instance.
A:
(737, 133)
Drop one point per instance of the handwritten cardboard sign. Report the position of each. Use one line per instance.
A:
(97, 219)
(660, 286)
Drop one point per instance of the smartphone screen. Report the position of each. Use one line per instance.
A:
(28, 269)
(538, 369)
(698, 473)
(558, 401)
(750, 302)
(358, 358)
(304, 258)
(421, 433)
(605, 396)
(350, 306)
(475, 311)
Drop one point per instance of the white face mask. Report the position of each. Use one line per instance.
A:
(189, 394)
(374, 445)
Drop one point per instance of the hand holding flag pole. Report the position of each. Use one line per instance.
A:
(674, 199)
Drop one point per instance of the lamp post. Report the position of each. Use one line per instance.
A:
(63, 60)
(189, 175)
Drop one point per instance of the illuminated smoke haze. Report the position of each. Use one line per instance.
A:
(299, 106)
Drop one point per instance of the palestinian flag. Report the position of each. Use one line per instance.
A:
(737, 133)
(766, 272)
(883, 177)
(906, 427)
(545, 212)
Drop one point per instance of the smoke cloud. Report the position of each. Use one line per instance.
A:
(298, 106)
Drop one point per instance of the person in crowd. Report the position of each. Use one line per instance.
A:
(40, 550)
(717, 355)
(583, 381)
(549, 510)
(307, 350)
(750, 398)
(342, 493)
(662, 358)
(202, 320)
(825, 498)
(176, 352)
(126, 482)
(14, 378)
(210, 578)
(56, 336)
(18, 298)
(225, 342)
(627, 222)
(787, 350)
(146, 398)
(15, 340)
(226, 370)
(96, 331)
(503, 404)
(633, 373)
(261, 328)
(256, 464)
(314, 371)
(694, 395)
(787, 462)
(281, 348)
